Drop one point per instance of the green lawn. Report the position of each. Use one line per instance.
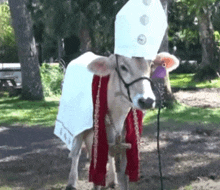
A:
(183, 113)
(185, 80)
(19, 112)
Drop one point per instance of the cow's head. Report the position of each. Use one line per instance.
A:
(135, 72)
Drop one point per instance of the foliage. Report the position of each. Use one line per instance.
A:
(197, 5)
(205, 14)
(217, 37)
(187, 67)
(14, 111)
(61, 19)
(183, 32)
(52, 77)
(8, 49)
(6, 30)
(184, 28)
(207, 73)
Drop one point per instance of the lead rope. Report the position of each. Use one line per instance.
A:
(158, 147)
(158, 138)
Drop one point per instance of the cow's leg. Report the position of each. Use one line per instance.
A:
(122, 177)
(88, 138)
(75, 154)
(111, 175)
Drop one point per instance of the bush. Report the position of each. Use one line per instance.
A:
(8, 48)
(187, 67)
(204, 73)
(52, 77)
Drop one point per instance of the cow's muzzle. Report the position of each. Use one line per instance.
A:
(146, 103)
(142, 102)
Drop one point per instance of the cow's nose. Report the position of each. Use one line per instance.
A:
(145, 103)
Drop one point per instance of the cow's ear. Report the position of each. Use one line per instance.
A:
(100, 66)
(166, 60)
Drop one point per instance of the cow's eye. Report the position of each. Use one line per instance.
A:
(123, 68)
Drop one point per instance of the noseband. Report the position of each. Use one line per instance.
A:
(127, 85)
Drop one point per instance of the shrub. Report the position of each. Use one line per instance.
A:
(52, 77)
(187, 67)
(8, 48)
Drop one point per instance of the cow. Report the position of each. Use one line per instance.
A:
(138, 94)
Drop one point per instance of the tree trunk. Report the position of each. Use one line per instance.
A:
(164, 45)
(31, 81)
(85, 40)
(168, 97)
(210, 56)
(206, 32)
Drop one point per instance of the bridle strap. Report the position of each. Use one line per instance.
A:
(127, 85)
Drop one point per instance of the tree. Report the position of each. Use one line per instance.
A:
(91, 21)
(184, 33)
(164, 84)
(164, 44)
(210, 53)
(31, 81)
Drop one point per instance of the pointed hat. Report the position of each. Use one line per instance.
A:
(139, 28)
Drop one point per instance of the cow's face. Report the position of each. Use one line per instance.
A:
(140, 92)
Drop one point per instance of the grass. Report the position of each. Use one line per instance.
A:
(185, 81)
(183, 113)
(14, 111)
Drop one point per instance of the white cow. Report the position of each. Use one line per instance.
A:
(119, 104)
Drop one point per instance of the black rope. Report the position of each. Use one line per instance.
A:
(158, 137)
(158, 147)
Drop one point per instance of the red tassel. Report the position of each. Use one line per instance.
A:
(97, 174)
(132, 169)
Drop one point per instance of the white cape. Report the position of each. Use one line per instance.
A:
(76, 108)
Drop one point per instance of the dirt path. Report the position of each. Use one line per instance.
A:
(206, 98)
(33, 158)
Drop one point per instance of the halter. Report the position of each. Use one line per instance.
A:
(127, 85)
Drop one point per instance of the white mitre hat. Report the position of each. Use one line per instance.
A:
(139, 28)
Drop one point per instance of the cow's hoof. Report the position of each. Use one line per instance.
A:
(70, 187)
